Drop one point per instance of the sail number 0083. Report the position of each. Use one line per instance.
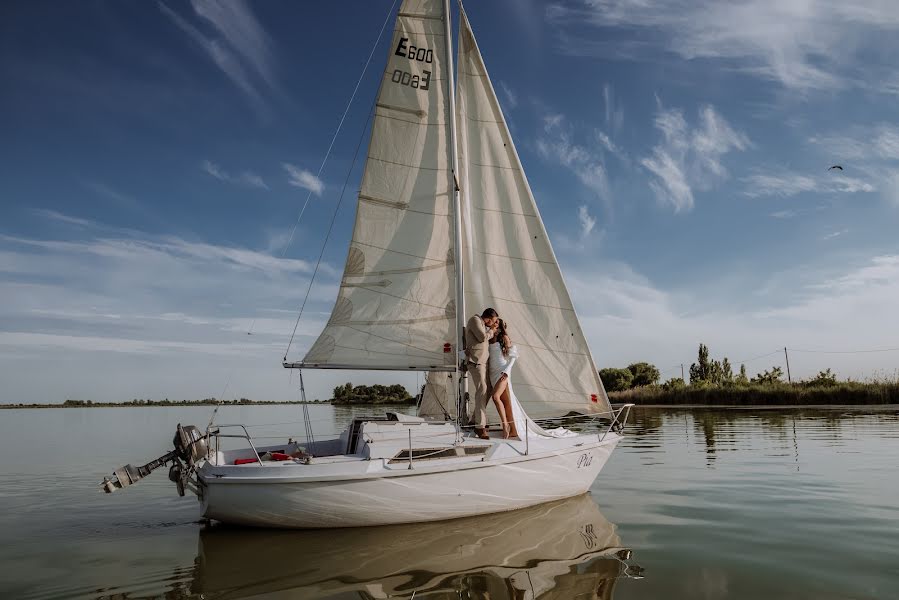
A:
(424, 55)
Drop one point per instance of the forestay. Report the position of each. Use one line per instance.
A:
(395, 306)
(509, 263)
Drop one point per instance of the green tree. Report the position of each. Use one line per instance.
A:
(769, 377)
(616, 380)
(675, 383)
(701, 371)
(823, 379)
(742, 379)
(727, 374)
(643, 374)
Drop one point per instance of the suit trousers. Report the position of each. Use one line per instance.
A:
(478, 378)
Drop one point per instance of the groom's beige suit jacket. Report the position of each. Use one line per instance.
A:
(476, 347)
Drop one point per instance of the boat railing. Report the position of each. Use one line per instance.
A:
(616, 419)
(619, 420)
(216, 433)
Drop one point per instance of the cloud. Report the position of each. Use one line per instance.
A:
(511, 99)
(586, 220)
(62, 218)
(245, 178)
(785, 184)
(878, 141)
(243, 32)
(665, 326)
(784, 214)
(92, 303)
(686, 158)
(614, 114)
(241, 50)
(800, 44)
(302, 178)
(835, 234)
(108, 192)
(555, 145)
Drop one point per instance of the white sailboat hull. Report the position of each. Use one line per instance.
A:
(423, 493)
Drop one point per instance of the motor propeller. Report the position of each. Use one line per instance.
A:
(190, 447)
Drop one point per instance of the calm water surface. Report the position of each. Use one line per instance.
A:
(739, 503)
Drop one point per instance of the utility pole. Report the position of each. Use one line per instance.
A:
(787, 356)
(684, 379)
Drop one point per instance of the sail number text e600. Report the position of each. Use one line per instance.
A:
(413, 53)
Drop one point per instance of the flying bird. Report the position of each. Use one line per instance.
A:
(835, 167)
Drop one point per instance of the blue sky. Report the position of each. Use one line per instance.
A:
(155, 155)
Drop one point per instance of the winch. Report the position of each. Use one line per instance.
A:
(190, 447)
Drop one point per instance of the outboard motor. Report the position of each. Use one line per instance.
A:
(190, 447)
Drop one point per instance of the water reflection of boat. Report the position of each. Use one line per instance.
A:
(564, 549)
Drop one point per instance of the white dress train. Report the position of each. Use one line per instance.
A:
(499, 364)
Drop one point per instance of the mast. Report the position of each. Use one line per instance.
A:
(457, 204)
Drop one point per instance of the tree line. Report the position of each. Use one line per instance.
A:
(705, 372)
(371, 394)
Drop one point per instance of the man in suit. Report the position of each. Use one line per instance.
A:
(478, 332)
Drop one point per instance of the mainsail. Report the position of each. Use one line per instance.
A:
(396, 308)
(507, 258)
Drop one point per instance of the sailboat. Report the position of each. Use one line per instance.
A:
(446, 224)
(565, 549)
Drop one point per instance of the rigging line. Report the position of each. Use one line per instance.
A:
(845, 351)
(309, 195)
(334, 137)
(321, 254)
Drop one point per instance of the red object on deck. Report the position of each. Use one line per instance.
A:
(280, 456)
(245, 461)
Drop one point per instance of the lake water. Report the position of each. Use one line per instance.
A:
(711, 503)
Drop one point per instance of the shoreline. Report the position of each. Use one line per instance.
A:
(193, 404)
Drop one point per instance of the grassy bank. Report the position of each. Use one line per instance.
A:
(772, 394)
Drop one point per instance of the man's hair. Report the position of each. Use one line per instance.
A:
(489, 313)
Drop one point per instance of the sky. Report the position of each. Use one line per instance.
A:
(154, 157)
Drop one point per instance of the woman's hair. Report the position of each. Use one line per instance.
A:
(502, 336)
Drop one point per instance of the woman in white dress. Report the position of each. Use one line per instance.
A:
(502, 357)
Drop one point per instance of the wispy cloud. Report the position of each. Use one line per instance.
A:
(835, 234)
(241, 49)
(784, 214)
(587, 221)
(800, 44)
(785, 184)
(303, 178)
(612, 148)
(106, 191)
(614, 113)
(511, 99)
(615, 302)
(244, 178)
(123, 292)
(62, 218)
(879, 141)
(690, 157)
(555, 144)
(238, 25)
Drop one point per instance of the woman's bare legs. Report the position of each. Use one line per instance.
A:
(507, 406)
(505, 413)
(502, 414)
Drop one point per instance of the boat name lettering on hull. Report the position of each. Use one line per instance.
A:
(584, 460)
